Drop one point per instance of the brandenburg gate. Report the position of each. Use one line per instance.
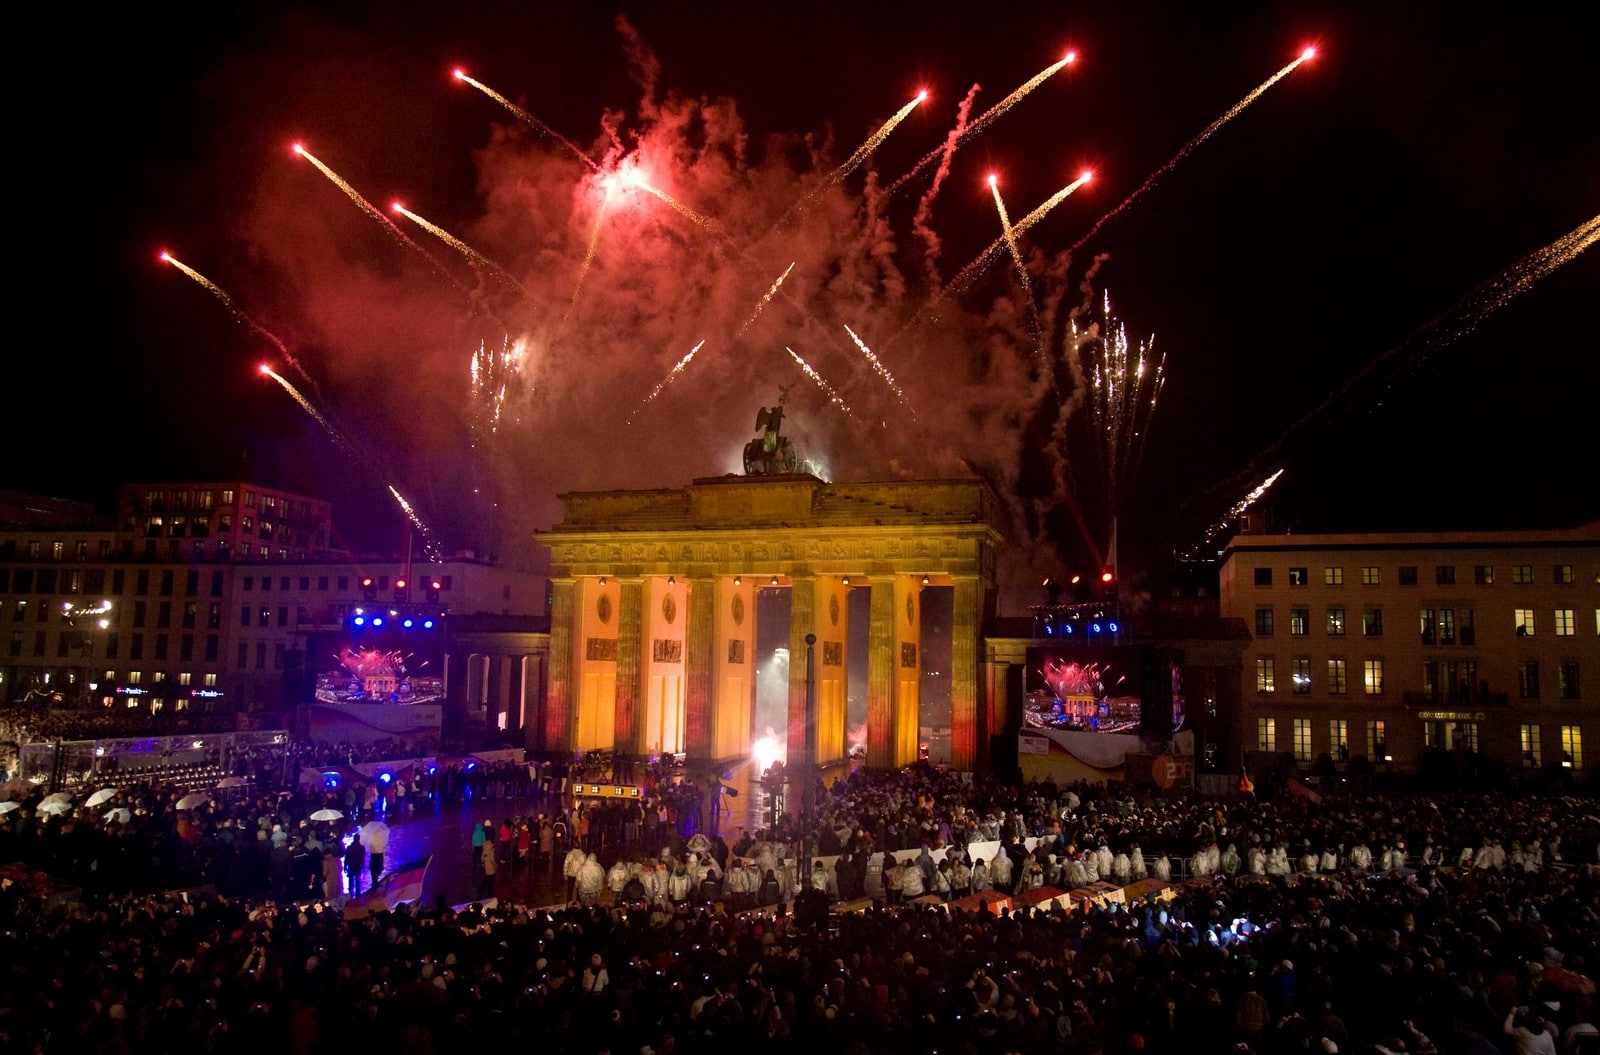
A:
(653, 621)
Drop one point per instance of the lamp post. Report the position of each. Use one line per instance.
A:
(808, 764)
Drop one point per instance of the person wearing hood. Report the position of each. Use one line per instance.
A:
(1230, 860)
(571, 867)
(591, 879)
(617, 879)
(1257, 859)
(1136, 865)
(980, 876)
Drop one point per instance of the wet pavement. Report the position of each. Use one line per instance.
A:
(455, 875)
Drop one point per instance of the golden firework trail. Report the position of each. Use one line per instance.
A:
(672, 375)
(372, 210)
(239, 314)
(428, 544)
(1010, 237)
(1238, 508)
(881, 370)
(827, 389)
(677, 206)
(981, 263)
(1188, 148)
(875, 140)
(305, 404)
(764, 301)
(987, 118)
(1459, 320)
(461, 247)
(488, 372)
(589, 253)
(528, 119)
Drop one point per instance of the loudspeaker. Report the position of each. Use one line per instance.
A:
(1155, 701)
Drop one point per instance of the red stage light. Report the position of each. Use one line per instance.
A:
(1106, 576)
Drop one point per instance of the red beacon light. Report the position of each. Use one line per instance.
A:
(1106, 576)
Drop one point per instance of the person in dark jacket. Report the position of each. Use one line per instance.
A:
(355, 859)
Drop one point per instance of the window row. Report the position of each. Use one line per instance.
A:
(1338, 676)
(79, 645)
(1408, 575)
(1446, 735)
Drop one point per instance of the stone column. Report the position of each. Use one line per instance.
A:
(630, 667)
(558, 698)
(802, 621)
(700, 669)
(966, 718)
(881, 663)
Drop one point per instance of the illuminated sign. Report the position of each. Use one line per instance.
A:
(206, 694)
(131, 690)
(608, 791)
(1451, 716)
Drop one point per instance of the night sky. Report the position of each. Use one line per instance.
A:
(1427, 148)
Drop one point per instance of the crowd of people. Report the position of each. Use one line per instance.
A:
(1399, 925)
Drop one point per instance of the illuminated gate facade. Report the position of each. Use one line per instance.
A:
(653, 620)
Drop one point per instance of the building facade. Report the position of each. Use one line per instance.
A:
(201, 596)
(1387, 645)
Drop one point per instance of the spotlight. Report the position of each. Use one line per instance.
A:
(847, 580)
(407, 624)
(774, 580)
(361, 620)
(1113, 627)
(926, 580)
(737, 581)
(377, 620)
(672, 580)
(1096, 628)
(427, 624)
(602, 580)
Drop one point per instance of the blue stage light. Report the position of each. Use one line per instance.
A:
(407, 624)
(385, 777)
(427, 624)
(1113, 628)
(1096, 628)
(361, 620)
(1067, 629)
(377, 620)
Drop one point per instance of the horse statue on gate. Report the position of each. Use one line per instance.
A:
(771, 453)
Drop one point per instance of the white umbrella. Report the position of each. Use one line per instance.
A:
(232, 782)
(7, 807)
(103, 795)
(122, 815)
(327, 815)
(193, 799)
(61, 796)
(54, 807)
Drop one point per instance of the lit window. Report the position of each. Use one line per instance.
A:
(1300, 621)
(1524, 622)
(210, 680)
(1266, 734)
(1300, 677)
(1374, 677)
(184, 677)
(1298, 577)
(134, 676)
(1370, 575)
(1483, 575)
(1564, 622)
(1336, 622)
(1522, 574)
(1562, 574)
(1337, 683)
(1266, 678)
(1372, 622)
(1572, 746)
(1302, 739)
(1333, 576)
(1530, 747)
(1339, 737)
(1377, 743)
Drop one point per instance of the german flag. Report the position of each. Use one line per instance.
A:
(401, 885)
(1246, 785)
